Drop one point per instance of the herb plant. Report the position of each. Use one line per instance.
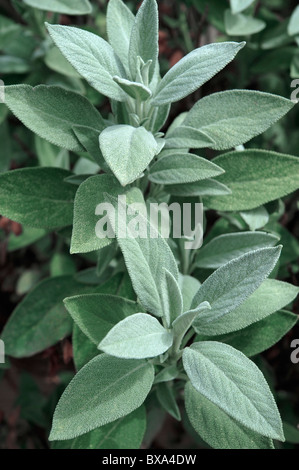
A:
(155, 324)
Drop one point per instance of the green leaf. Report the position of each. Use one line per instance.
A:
(28, 236)
(293, 26)
(127, 150)
(111, 387)
(144, 38)
(208, 187)
(158, 117)
(224, 248)
(182, 324)
(188, 137)
(11, 64)
(189, 286)
(259, 336)
(120, 21)
(239, 5)
(89, 138)
(96, 314)
(40, 320)
(272, 295)
(37, 197)
(56, 61)
(254, 177)
(255, 218)
(234, 117)
(171, 297)
(242, 25)
(235, 384)
(166, 397)
(167, 374)
(145, 258)
(182, 168)
(231, 284)
(125, 433)
(291, 433)
(51, 111)
(217, 428)
(67, 7)
(138, 336)
(89, 195)
(194, 70)
(92, 57)
(83, 349)
(138, 91)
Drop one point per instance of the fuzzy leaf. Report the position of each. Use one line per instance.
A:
(242, 25)
(37, 197)
(224, 248)
(96, 314)
(293, 26)
(135, 90)
(111, 388)
(182, 168)
(120, 21)
(51, 111)
(67, 7)
(272, 295)
(144, 38)
(166, 397)
(208, 187)
(232, 118)
(235, 384)
(194, 70)
(239, 5)
(127, 150)
(259, 336)
(138, 336)
(217, 428)
(92, 57)
(234, 282)
(254, 177)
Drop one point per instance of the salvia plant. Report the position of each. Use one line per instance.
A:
(155, 325)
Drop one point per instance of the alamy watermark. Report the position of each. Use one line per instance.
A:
(2, 92)
(295, 93)
(2, 352)
(139, 220)
(295, 353)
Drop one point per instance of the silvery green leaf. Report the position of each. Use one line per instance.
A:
(293, 26)
(258, 336)
(89, 195)
(182, 168)
(67, 7)
(158, 117)
(120, 22)
(138, 91)
(189, 137)
(127, 150)
(182, 323)
(111, 387)
(96, 314)
(144, 38)
(138, 336)
(145, 257)
(239, 5)
(231, 284)
(228, 246)
(242, 25)
(52, 111)
(235, 384)
(56, 61)
(232, 118)
(217, 428)
(255, 218)
(189, 286)
(272, 295)
(89, 138)
(208, 187)
(194, 70)
(254, 178)
(171, 297)
(92, 57)
(125, 433)
(166, 397)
